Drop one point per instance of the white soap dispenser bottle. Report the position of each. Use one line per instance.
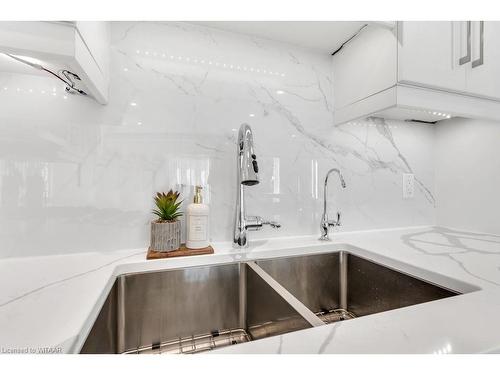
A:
(197, 222)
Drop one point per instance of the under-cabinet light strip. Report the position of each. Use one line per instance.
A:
(209, 62)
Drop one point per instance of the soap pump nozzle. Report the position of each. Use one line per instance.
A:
(197, 195)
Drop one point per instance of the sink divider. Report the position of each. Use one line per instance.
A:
(298, 306)
(243, 295)
(343, 257)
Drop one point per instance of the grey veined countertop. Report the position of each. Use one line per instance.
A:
(50, 302)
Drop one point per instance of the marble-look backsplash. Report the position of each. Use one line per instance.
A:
(467, 179)
(77, 176)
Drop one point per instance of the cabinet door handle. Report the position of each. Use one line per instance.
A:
(480, 60)
(465, 59)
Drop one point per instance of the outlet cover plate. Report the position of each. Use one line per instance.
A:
(408, 185)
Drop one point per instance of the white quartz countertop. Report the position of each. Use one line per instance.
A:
(52, 301)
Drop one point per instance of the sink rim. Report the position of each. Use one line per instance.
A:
(426, 275)
(417, 272)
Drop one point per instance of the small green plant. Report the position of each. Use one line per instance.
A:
(167, 206)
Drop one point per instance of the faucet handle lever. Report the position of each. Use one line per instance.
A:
(272, 224)
(256, 223)
(334, 223)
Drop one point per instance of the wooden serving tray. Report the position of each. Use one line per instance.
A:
(182, 252)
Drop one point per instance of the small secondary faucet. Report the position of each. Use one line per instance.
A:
(247, 175)
(325, 223)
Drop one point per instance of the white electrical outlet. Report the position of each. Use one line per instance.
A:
(408, 185)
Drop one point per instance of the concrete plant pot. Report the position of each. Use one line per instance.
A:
(165, 236)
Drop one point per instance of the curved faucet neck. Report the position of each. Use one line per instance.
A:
(325, 223)
(325, 190)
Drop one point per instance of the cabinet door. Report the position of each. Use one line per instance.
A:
(429, 53)
(483, 77)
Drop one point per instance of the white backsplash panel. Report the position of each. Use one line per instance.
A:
(467, 178)
(77, 176)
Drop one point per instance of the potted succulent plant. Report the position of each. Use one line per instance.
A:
(166, 230)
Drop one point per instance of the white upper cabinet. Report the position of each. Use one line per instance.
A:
(424, 71)
(79, 47)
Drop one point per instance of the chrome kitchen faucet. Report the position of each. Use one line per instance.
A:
(247, 175)
(325, 223)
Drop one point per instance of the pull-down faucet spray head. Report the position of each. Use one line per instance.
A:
(248, 168)
(247, 175)
(342, 181)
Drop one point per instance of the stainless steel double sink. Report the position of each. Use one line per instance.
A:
(197, 309)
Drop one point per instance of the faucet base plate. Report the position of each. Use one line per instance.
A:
(324, 239)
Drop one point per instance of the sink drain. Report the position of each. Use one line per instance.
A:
(335, 315)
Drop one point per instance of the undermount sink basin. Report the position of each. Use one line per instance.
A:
(189, 310)
(339, 286)
(196, 309)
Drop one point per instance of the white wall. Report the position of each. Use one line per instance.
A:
(77, 176)
(468, 175)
